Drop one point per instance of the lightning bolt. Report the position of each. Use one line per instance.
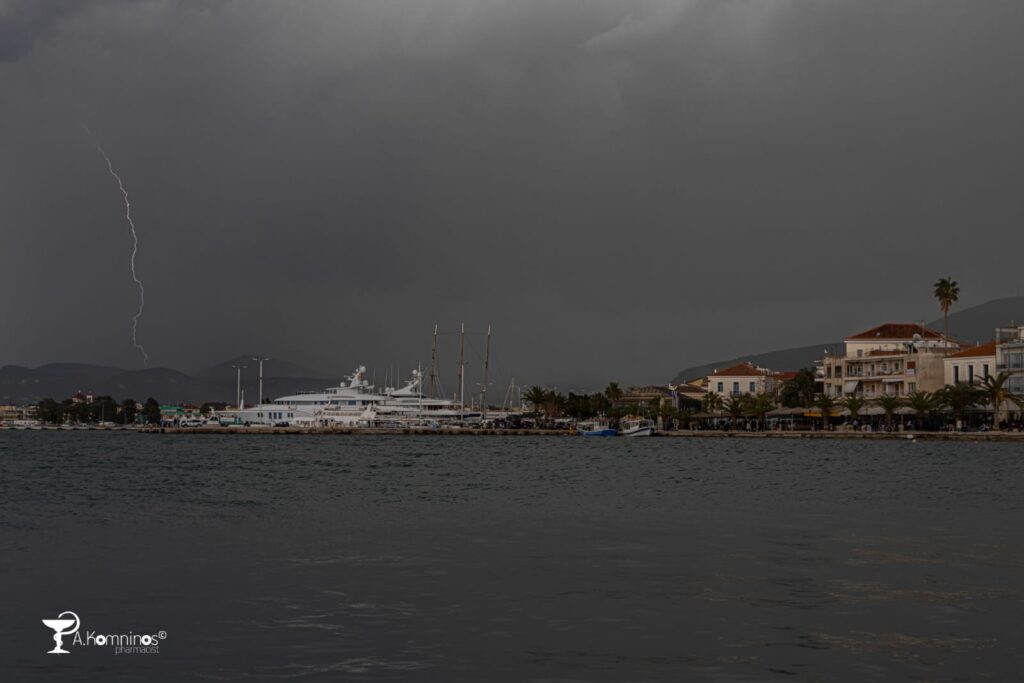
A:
(135, 248)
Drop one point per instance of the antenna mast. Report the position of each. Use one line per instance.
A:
(433, 366)
(462, 372)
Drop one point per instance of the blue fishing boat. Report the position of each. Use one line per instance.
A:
(595, 428)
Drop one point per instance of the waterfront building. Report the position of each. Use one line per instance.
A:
(744, 379)
(636, 397)
(972, 365)
(688, 396)
(11, 413)
(1010, 357)
(893, 359)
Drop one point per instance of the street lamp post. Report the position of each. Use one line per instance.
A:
(260, 361)
(238, 389)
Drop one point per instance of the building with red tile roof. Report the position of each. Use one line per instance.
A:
(744, 379)
(893, 359)
(971, 365)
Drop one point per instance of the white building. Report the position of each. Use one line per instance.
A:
(893, 359)
(1010, 357)
(971, 365)
(745, 379)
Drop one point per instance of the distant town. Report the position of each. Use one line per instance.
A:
(894, 377)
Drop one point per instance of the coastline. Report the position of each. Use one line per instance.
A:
(691, 434)
(679, 434)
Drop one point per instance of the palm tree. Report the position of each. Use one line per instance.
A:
(760, 405)
(922, 403)
(667, 412)
(712, 402)
(555, 404)
(854, 404)
(735, 406)
(536, 397)
(826, 404)
(888, 403)
(959, 397)
(947, 291)
(613, 392)
(599, 402)
(996, 393)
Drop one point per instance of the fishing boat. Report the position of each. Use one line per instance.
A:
(636, 426)
(596, 428)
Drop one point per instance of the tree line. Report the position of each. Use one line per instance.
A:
(100, 409)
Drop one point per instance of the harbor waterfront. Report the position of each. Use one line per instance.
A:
(482, 341)
(415, 558)
(261, 430)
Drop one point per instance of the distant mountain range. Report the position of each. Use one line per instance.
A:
(21, 385)
(971, 325)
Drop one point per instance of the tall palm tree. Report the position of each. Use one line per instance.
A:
(922, 403)
(735, 406)
(826, 404)
(712, 402)
(555, 403)
(947, 291)
(613, 392)
(854, 404)
(996, 393)
(536, 396)
(959, 397)
(888, 403)
(760, 405)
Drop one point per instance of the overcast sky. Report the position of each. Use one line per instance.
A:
(622, 188)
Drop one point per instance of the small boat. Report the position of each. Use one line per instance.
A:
(636, 426)
(596, 428)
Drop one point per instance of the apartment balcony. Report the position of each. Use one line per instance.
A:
(880, 374)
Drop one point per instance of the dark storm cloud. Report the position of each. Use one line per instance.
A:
(622, 188)
(22, 22)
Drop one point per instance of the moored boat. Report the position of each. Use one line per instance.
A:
(595, 428)
(636, 426)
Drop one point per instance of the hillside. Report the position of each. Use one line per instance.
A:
(21, 385)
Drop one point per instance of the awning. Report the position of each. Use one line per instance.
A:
(850, 386)
(785, 412)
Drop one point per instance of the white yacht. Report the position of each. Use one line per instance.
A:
(355, 403)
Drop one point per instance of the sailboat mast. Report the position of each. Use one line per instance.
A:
(462, 371)
(487, 365)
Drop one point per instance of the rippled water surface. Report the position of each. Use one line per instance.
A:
(320, 558)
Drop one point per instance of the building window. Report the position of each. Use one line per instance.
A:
(753, 388)
(721, 388)
(839, 371)
(912, 386)
(956, 374)
(735, 388)
(984, 371)
(970, 374)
